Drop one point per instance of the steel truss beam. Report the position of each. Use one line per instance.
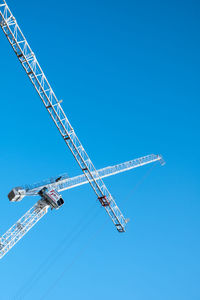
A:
(22, 226)
(25, 223)
(66, 183)
(36, 75)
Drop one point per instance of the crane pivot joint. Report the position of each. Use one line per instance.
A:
(52, 197)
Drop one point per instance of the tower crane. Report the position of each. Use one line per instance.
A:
(37, 77)
(63, 182)
(50, 198)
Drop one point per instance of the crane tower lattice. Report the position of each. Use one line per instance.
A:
(36, 75)
(48, 190)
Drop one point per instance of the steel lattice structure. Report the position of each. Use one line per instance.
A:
(66, 183)
(31, 217)
(22, 226)
(48, 189)
(36, 75)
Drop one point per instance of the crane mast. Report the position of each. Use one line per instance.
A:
(22, 226)
(48, 190)
(36, 75)
(33, 215)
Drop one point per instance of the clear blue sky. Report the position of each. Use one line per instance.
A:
(128, 74)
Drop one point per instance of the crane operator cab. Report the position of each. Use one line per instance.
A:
(52, 197)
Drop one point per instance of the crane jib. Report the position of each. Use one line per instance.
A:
(48, 190)
(36, 75)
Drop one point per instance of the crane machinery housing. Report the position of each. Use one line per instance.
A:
(49, 193)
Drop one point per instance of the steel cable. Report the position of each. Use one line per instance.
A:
(78, 255)
(139, 182)
(53, 256)
(73, 238)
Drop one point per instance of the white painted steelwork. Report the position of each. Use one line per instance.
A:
(36, 75)
(25, 223)
(66, 183)
(22, 226)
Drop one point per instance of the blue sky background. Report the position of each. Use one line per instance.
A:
(128, 74)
